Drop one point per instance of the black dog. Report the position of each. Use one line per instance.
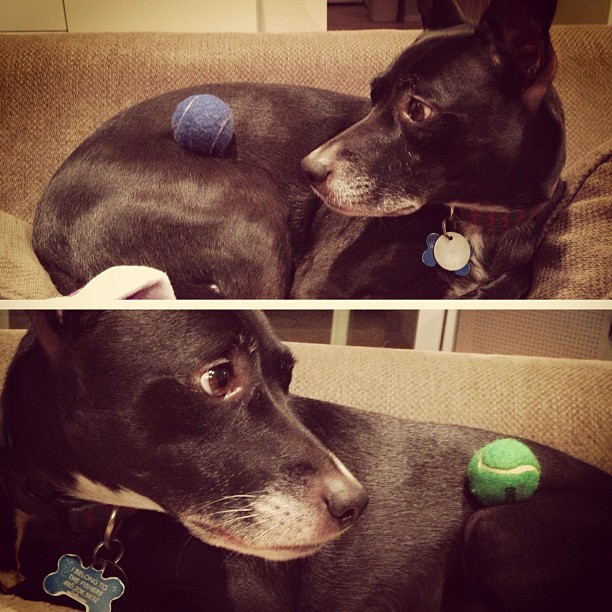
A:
(186, 417)
(465, 120)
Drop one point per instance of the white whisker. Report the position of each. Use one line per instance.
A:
(231, 511)
(226, 498)
(237, 519)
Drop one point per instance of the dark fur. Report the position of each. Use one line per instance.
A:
(113, 398)
(249, 226)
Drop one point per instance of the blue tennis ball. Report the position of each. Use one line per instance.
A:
(203, 123)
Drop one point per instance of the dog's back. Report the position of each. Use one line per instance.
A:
(130, 195)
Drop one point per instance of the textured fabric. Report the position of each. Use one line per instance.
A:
(564, 403)
(21, 275)
(584, 72)
(575, 257)
(10, 603)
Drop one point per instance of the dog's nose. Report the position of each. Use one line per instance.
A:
(346, 501)
(315, 169)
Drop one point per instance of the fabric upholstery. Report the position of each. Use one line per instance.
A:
(573, 260)
(564, 403)
(11, 603)
(21, 275)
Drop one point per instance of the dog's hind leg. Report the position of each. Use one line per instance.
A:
(547, 554)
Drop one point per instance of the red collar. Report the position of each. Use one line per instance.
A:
(500, 220)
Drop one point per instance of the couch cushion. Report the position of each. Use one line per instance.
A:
(564, 403)
(21, 275)
(11, 603)
(574, 258)
(583, 81)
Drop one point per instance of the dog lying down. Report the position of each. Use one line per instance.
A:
(324, 195)
(234, 494)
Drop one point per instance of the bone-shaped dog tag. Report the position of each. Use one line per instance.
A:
(86, 585)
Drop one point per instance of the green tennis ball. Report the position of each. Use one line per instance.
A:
(504, 471)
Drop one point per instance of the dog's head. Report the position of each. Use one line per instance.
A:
(183, 412)
(466, 115)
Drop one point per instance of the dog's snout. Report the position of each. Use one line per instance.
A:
(346, 501)
(315, 168)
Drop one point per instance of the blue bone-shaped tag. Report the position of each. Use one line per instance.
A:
(83, 584)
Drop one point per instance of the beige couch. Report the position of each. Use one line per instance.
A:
(55, 89)
(564, 403)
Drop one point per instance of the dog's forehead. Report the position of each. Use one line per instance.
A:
(448, 53)
(178, 334)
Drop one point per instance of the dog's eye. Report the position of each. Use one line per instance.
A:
(417, 110)
(219, 380)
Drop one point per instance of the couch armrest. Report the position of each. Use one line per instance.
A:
(21, 275)
(564, 403)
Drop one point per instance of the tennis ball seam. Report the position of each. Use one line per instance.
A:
(519, 469)
(189, 105)
(214, 144)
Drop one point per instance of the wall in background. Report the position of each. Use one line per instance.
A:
(583, 11)
(163, 16)
(568, 11)
(578, 334)
(581, 334)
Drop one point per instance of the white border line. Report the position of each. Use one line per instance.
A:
(311, 305)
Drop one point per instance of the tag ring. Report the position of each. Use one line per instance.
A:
(449, 218)
(103, 546)
(109, 543)
(110, 527)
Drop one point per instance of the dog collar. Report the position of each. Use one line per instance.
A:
(35, 495)
(495, 220)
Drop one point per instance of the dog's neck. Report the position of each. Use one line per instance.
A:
(496, 218)
(34, 494)
(487, 228)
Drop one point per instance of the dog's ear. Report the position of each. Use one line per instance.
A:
(439, 14)
(518, 35)
(47, 326)
(55, 328)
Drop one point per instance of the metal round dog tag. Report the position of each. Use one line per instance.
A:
(452, 251)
